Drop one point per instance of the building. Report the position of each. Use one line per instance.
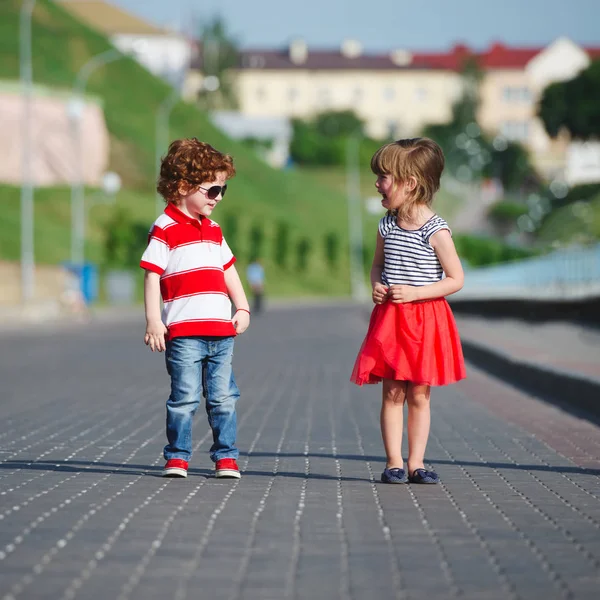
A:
(514, 81)
(392, 93)
(398, 93)
(163, 52)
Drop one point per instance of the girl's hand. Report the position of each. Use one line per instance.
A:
(400, 294)
(155, 337)
(241, 321)
(380, 293)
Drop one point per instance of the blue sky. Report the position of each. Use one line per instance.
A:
(385, 24)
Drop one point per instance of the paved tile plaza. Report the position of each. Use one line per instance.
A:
(85, 514)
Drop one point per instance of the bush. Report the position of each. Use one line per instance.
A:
(332, 250)
(585, 191)
(303, 248)
(506, 211)
(480, 251)
(257, 236)
(281, 245)
(125, 240)
(229, 225)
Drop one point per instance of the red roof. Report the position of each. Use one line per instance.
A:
(497, 56)
(593, 53)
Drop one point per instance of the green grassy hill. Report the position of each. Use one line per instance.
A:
(260, 196)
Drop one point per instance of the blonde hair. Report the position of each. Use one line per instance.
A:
(420, 158)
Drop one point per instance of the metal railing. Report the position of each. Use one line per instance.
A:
(571, 273)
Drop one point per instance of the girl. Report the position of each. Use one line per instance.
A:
(412, 342)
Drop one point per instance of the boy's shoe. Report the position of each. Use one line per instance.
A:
(424, 476)
(175, 467)
(394, 476)
(227, 467)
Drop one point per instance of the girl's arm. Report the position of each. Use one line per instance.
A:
(380, 291)
(444, 248)
(235, 289)
(378, 261)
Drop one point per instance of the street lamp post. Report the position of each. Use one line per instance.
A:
(26, 74)
(76, 108)
(355, 225)
(163, 114)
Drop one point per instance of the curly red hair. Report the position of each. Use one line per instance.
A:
(192, 163)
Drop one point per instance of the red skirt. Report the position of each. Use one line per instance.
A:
(416, 341)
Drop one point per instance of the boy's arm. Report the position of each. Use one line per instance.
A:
(235, 289)
(155, 328)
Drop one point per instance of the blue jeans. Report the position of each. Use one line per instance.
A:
(201, 366)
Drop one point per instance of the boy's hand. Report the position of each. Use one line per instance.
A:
(155, 336)
(400, 294)
(241, 321)
(380, 293)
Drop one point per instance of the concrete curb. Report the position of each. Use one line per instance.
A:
(567, 390)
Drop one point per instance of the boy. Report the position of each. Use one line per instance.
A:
(189, 263)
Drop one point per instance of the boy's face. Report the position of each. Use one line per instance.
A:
(197, 203)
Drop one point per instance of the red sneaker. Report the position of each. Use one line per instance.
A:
(227, 467)
(175, 467)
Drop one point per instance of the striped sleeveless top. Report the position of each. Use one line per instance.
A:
(409, 258)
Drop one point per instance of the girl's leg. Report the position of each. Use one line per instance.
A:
(392, 406)
(419, 419)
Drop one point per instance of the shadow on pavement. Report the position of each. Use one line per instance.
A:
(120, 469)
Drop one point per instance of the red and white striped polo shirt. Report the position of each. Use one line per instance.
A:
(191, 257)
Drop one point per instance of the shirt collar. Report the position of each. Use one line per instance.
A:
(180, 217)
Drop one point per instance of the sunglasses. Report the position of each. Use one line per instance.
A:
(213, 191)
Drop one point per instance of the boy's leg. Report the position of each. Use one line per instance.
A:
(221, 393)
(184, 365)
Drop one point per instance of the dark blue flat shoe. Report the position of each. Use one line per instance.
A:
(423, 476)
(394, 476)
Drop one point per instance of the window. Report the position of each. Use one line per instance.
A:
(389, 93)
(516, 94)
(515, 130)
(324, 97)
(357, 95)
(261, 94)
(392, 129)
(421, 94)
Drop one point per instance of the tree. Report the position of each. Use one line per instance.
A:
(322, 140)
(573, 105)
(470, 151)
(338, 123)
(219, 54)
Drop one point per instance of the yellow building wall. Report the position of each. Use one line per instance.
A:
(390, 102)
(509, 104)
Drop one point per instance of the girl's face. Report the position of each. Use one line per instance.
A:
(197, 203)
(393, 194)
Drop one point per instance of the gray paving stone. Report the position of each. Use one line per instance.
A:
(85, 514)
